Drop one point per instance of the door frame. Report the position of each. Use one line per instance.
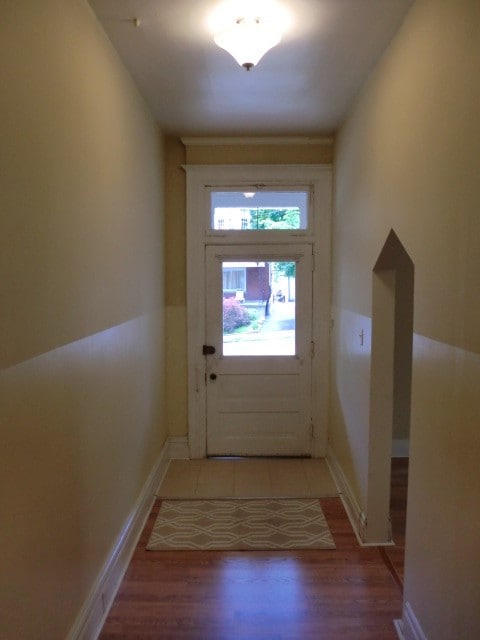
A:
(200, 180)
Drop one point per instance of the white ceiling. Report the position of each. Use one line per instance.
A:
(304, 86)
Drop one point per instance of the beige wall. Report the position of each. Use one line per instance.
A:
(408, 158)
(176, 301)
(263, 151)
(81, 317)
(202, 151)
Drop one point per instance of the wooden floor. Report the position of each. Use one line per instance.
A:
(351, 593)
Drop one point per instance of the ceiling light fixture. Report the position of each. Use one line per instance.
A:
(248, 37)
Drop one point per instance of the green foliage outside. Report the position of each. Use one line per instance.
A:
(275, 218)
(236, 317)
(285, 269)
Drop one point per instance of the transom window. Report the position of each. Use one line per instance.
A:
(259, 210)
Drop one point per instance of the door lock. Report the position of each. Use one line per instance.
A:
(208, 350)
(213, 376)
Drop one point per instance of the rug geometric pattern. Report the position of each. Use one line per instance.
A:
(240, 525)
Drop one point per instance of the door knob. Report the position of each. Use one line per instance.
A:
(213, 376)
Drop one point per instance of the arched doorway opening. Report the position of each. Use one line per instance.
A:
(391, 378)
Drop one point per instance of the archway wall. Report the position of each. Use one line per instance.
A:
(407, 159)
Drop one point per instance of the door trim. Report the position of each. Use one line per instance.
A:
(199, 179)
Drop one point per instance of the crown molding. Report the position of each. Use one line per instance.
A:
(255, 141)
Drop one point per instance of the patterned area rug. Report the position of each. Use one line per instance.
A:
(240, 525)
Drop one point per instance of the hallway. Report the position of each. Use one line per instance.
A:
(106, 211)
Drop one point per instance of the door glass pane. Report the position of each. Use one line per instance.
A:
(265, 210)
(258, 308)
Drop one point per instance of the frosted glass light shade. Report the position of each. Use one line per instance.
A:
(248, 40)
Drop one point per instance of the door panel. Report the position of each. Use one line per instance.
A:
(259, 378)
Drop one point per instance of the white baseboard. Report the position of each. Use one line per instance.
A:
(354, 512)
(399, 629)
(94, 611)
(410, 625)
(178, 448)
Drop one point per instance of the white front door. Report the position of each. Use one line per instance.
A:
(259, 325)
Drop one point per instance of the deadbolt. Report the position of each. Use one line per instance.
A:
(208, 350)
